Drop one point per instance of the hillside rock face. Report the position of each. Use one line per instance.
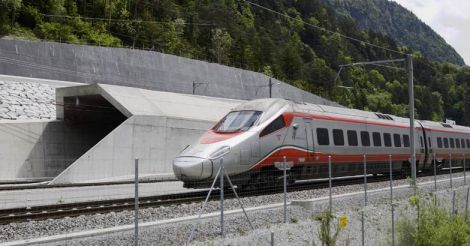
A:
(22, 100)
(392, 19)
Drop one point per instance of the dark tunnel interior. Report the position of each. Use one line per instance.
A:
(87, 120)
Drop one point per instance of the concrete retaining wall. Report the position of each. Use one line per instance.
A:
(41, 149)
(154, 140)
(141, 69)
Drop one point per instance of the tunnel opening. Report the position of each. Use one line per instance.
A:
(92, 111)
(87, 120)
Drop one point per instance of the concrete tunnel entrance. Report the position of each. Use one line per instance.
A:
(92, 111)
(119, 124)
(92, 117)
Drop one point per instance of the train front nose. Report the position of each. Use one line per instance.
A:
(192, 168)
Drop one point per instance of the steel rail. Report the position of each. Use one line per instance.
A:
(58, 211)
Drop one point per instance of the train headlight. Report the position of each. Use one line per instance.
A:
(220, 152)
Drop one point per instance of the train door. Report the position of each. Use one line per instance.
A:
(422, 147)
(430, 148)
(420, 151)
(309, 137)
(272, 139)
(296, 137)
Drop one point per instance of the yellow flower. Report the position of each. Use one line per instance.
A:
(343, 222)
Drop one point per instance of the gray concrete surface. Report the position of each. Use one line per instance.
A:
(102, 129)
(142, 69)
(52, 196)
(49, 82)
(158, 126)
(38, 149)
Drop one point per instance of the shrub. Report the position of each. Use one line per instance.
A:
(433, 225)
(328, 235)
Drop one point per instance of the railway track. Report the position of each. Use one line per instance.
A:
(45, 185)
(57, 211)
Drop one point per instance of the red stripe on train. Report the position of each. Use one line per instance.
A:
(213, 137)
(309, 158)
(294, 154)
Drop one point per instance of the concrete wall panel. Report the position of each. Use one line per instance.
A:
(41, 149)
(141, 69)
(144, 137)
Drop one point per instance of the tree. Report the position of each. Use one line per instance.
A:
(8, 13)
(221, 43)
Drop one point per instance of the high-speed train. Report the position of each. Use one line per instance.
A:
(256, 134)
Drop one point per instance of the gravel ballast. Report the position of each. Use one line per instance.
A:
(177, 233)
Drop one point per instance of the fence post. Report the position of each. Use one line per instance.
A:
(330, 183)
(450, 169)
(391, 200)
(136, 203)
(285, 189)
(466, 204)
(204, 206)
(272, 238)
(222, 171)
(365, 201)
(365, 181)
(435, 171)
(464, 170)
(453, 202)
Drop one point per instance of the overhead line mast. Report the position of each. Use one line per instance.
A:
(411, 104)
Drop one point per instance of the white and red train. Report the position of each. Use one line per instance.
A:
(258, 133)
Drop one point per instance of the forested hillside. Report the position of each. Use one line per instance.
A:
(390, 18)
(242, 35)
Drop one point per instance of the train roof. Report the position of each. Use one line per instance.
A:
(349, 113)
(443, 126)
(272, 105)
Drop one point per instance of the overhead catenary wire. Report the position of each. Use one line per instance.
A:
(380, 63)
(323, 29)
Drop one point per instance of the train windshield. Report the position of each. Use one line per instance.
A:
(238, 121)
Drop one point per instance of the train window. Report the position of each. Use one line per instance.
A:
(277, 124)
(457, 143)
(462, 142)
(387, 140)
(376, 139)
(446, 143)
(406, 140)
(338, 137)
(439, 143)
(421, 142)
(365, 138)
(352, 138)
(397, 140)
(322, 136)
(467, 141)
(237, 121)
(429, 142)
(452, 144)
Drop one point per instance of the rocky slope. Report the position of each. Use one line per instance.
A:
(23, 100)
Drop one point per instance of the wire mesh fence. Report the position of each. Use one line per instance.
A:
(355, 209)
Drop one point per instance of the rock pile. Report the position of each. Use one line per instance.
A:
(22, 100)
